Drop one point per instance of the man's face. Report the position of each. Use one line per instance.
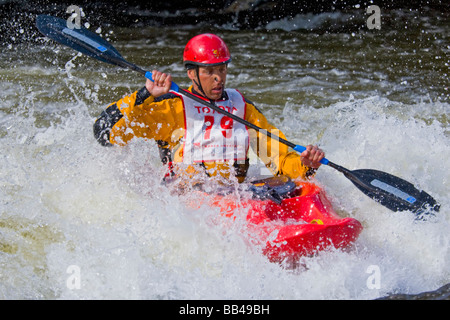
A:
(212, 80)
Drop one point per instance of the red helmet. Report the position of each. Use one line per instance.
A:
(206, 50)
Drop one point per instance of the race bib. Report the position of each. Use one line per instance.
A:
(212, 136)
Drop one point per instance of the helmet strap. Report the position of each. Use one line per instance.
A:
(199, 83)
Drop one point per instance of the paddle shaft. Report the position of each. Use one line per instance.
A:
(210, 104)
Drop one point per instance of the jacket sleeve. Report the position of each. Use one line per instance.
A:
(138, 115)
(274, 154)
(104, 124)
(114, 114)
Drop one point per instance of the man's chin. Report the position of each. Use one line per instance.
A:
(216, 95)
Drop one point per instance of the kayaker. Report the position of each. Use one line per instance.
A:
(196, 142)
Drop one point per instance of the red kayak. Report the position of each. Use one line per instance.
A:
(300, 224)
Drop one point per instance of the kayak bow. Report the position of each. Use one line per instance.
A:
(303, 224)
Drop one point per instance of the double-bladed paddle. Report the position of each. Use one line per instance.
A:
(390, 191)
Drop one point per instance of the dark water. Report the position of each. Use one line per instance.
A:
(370, 98)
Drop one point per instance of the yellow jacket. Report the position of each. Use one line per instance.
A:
(141, 115)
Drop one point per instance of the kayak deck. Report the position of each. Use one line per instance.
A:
(301, 225)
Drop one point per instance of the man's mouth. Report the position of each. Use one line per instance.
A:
(217, 89)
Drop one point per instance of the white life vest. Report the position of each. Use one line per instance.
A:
(212, 136)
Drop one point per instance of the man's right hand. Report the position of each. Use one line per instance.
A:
(160, 85)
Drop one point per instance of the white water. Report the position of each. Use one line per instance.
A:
(66, 201)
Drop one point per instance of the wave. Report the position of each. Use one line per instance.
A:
(309, 21)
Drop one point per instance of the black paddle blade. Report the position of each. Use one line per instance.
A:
(392, 192)
(81, 39)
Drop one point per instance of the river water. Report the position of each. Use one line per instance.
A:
(79, 221)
